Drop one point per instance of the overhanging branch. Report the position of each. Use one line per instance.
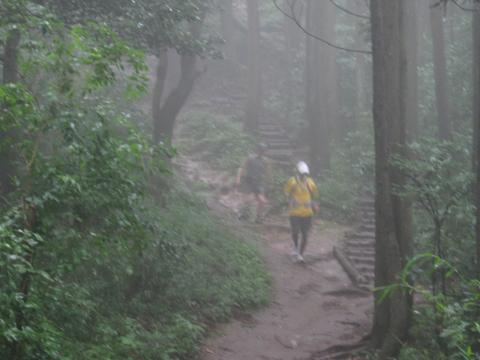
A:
(292, 15)
(349, 12)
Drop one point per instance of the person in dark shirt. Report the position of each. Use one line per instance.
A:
(253, 174)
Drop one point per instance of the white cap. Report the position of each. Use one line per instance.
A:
(302, 168)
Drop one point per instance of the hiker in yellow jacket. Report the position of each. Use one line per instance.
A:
(301, 192)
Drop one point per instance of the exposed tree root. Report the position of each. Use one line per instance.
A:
(343, 351)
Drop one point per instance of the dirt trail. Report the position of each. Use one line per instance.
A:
(314, 304)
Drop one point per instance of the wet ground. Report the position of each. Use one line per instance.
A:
(314, 305)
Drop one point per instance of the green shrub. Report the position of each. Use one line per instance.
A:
(90, 267)
(445, 326)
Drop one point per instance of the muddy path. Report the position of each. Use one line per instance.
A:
(314, 305)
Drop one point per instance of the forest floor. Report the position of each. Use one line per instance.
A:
(314, 305)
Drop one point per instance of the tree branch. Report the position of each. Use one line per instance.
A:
(461, 6)
(348, 11)
(294, 18)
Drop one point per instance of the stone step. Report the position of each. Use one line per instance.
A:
(278, 142)
(367, 220)
(366, 269)
(359, 245)
(273, 138)
(367, 202)
(367, 209)
(280, 152)
(368, 227)
(362, 260)
(270, 124)
(363, 235)
(270, 132)
(279, 146)
(361, 253)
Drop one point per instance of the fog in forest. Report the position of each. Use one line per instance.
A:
(239, 179)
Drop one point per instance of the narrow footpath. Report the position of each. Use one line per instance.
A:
(314, 305)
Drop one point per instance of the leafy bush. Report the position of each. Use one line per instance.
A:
(439, 181)
(446, 326)
(90, 267)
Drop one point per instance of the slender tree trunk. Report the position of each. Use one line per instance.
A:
(316, 91)
(476, 121)
(254, 96)
(393, 218)
(440, 69)
(10, 76)
(411, 39)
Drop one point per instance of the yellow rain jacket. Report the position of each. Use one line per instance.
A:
(300, 194)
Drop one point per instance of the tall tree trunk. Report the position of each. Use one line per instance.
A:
(10, 62)
(290, 51)
(254, 96)
(476, 120)
(411, 39)
(21, 321)
(393, 218)
(440, 69)
(10, 76)
(165, 121)
(164, 117)
(360, 71)
(161, 75)
(316, 91)
(227, 22)
(329, 85)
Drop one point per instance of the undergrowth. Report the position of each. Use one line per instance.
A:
(206, 273)
(350, 177)
(220, 141)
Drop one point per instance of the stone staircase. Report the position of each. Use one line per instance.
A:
(280, 149)
(357, 253)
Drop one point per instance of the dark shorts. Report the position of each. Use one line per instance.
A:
(254, 186)
(300, 224)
